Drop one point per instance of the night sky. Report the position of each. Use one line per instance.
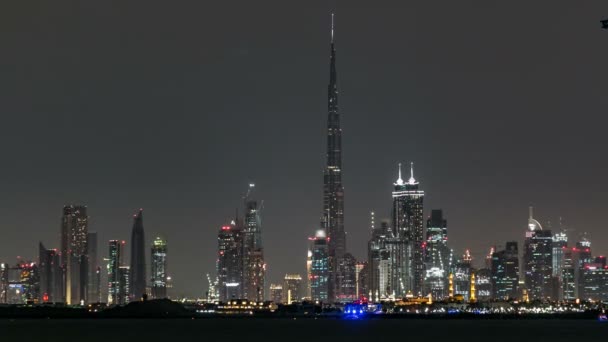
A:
(175, 106)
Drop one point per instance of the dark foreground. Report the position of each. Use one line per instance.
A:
(309, 330)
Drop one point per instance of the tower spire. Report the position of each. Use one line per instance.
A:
(412, 180)
(399, 180)
(332, 27)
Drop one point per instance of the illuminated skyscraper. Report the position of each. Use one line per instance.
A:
(74, 260)
(51, 275)
(320, 267)
(291, 288)
(137, 278)
(115, 295)
(230, 261)
(462, 271)
(379, 262)
(159, 268)
(505, 272)
(254, 267)
(538, 260)
(408, 230)
(437, 256)
(332, 218)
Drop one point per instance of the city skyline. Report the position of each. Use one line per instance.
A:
(188, 209)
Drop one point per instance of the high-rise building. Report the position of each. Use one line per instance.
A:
(291, 288)
(595, 282)
(115, 294)
(346, 279)
(74, 253)
(4, 283)
(124, 275)
(538, 260)
(308, 273)
(94, 270)
(332, 218)
(361, 279)
(379, 261)
(254, 267)
(560, 244)
(320, 267)
(21, 283)
(276, 293)
(408, 228)
(483, 284)
(462, 271)
(505, 272)
(230, 261)
(159, 268)
(569, 274)
(51, 275)
(560, 241)
(437, 256)
(137, 278)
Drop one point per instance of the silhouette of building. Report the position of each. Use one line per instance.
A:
(51, 275)
(538, 260)
(361, 279)
(254, 267)
(320, 267)
(94, 270)
(230, 261)
(137, 278)
(159, 268)
(74, 253)
(505, 272)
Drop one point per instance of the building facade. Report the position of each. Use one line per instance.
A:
(230, 261)
(159, 269)
(505, 272)
(319, 269)
(538, 260)
(407, 257)
(254, 267)
(137, 278)
(74, 253)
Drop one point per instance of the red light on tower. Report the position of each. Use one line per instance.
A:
(45, 297)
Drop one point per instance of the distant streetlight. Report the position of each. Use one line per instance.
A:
(605, 24)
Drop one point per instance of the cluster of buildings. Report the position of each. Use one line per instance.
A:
(73, 274)
(408, 255)
(410, 259)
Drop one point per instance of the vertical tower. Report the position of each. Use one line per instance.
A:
(538, 260)
(51, 275)
(159, 268)
(437, 256)
(254, 267)
(94, 270)
(114, 274)
(408, 229)
(332, 219)
(137, 277)
(319, 270)
(230, 261)
(74, 256)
